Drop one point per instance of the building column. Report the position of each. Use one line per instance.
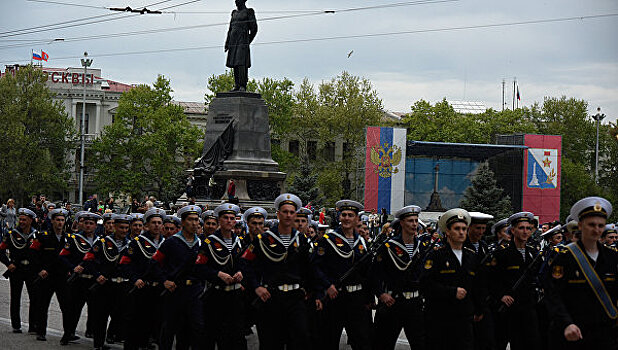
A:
(97, 129)
(74, 112)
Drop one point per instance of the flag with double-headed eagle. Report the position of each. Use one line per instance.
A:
(385, 168)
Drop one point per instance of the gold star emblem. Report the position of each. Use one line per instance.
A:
(546, 163)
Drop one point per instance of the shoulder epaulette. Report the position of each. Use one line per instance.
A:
(45, 233)
(560, 249)
(469, 249)
(136, 238)
(102, 240)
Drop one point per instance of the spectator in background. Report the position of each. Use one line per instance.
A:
(383, 217)
(9, 214)
(231, 190)
(109, 204)
(134, 205)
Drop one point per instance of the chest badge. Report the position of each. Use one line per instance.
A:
(447, 264)
(558, 272)
(338, 242)
(428, 264)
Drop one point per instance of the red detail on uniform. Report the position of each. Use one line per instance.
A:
(36, 245)
(201, 259)
(65, 252)
(249, 255)
(125, 260)
(3, 246)
(158, 256)
(547, 153)
(89, 256)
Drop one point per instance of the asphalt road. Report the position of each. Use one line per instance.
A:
(10, 341)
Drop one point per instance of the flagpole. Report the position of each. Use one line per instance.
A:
(513, 93)
(31, 55)
(503, 95)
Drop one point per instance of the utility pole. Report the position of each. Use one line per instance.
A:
(514, 80)
(503, 95)
(86, 62)
(598, 117)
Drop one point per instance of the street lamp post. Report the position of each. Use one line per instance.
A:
(598, 117)
(86, 62)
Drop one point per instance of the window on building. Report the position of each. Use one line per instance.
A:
(312, 148)
(293, 147)
(329, 152)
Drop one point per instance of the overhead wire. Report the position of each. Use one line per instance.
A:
(197, 26)
(357, 36)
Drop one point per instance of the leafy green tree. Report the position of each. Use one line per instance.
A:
(485, 196)
(148, 147)
(36, 138)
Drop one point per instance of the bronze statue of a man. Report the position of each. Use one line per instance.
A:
(243, 28)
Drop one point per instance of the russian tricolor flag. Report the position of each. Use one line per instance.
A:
(36, 56)
(385, 169)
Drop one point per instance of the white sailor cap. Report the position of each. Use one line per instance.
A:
(610, 228)
(27, 212)
(452, 216)
(521, 216)
(253, 212)
(107, 216)
(552, 231)
(122, 218)
(57, 212)
(364, 218)
(137, 216)
(572, 226)
(479, 218)
(172, 219)
(408, 211)
(227, 208)
(322, 226)
(79, 214)
(303, 212)
(591, 206)
(288, 198)
(347, 204)
(153, 213)
(208, 214)
(188, 210)
(90, 216)
(499, 225)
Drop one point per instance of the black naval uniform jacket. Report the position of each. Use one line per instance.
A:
(569, 297)
(136, 259)
(175, 260)
(333, 256)
(481, 251)
(393, 271)
(76, 246)
(267, 263)
(506, 267)
(18, 246)
(443, 274)
(103, 258)
(47, 247)
(214, 257)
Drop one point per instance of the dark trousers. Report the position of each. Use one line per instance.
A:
(315, 319)
(447, 332)
(522, 320)
(144, 317)
(406, 314)
(107, 300)
(223, 320)
(593, 337)
(183, 319)
(349, 311)
(282, 320)
(484, 333)
(45, 290)
(79, 295)
(16, 283)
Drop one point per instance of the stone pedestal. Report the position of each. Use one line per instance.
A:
(249, 164)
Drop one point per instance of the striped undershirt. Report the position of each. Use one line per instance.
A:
(350, 242)
(410, 249)
(228, 243)
(286, 240)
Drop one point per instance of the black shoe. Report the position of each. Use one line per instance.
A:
(64, 340)
(88, 334)
(110, 339)
(16, 330)
(74, 338)
(41, 337)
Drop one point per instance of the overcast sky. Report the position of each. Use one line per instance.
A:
(577, 58)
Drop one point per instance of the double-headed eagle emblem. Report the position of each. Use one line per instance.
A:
(386, 158)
